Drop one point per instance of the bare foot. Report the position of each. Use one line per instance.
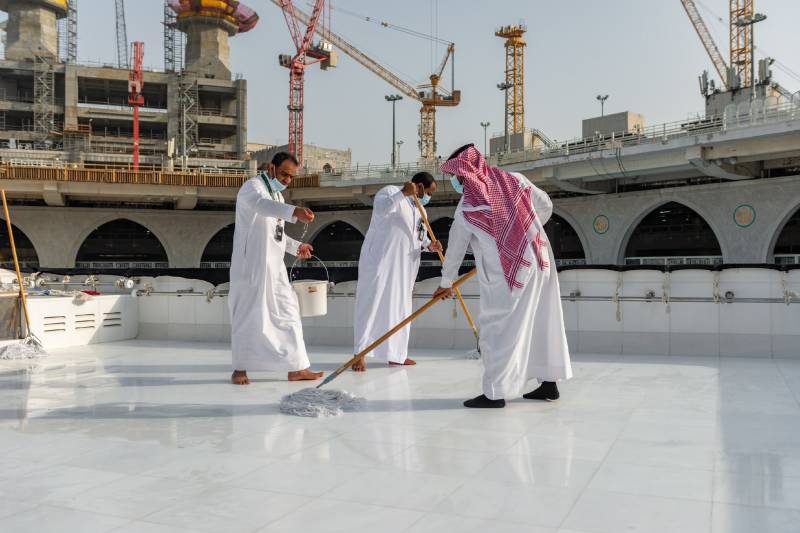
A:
(359, 366)
(408, 362)
(304, 375)
(239, 377)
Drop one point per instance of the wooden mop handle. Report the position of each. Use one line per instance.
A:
(16, 261)
(441, 258)
(394, 330)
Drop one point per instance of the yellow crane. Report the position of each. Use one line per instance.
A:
(515, 76)
(431, 95)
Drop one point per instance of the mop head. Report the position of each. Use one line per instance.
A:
(473, 354)
(318, 403)
(22, 350)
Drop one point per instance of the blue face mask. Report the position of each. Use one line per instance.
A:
(274, 184)
(459, 188)
(425, 199)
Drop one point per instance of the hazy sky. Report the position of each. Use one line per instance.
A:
(643, 53)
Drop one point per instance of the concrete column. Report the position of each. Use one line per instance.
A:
(70, 97)
(241, 112)
(208, 52)
(31, 31)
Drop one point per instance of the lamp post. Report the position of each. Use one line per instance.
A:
(399, 144)
(393, 98)
(602, 99)
(752, 21)
(505, 86)
(484, 125)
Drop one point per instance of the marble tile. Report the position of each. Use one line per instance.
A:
(765, 491)
(671, 482)
(747, 519)
(322, 516)
(49, 519)
(612, 512)
(539, 471)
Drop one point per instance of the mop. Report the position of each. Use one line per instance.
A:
(30, 347)
(472, 354)
(315, 402)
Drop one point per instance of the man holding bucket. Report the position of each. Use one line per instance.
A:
(266, 332)
(388, 266)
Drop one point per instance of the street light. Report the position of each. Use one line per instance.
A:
(602, 99)
(393, 98)
(752, 21)
(485, 125)
(505, 86)
(399, 144)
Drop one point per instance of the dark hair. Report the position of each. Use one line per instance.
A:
(280, 157)
(458, 151)
(423, 178)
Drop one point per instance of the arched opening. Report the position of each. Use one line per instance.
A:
(338, 241)
(26, 253)
(122, 243)
(564, 242)
(441, 228)
(219, 249)
(787, 247)
(327, 168)
(673, 234)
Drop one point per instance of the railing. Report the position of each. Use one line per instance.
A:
(114, 175)
(759, 112)
(787, 259)
(109, 265)
(707, 260)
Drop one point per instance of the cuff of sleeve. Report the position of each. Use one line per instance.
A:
(446, 283)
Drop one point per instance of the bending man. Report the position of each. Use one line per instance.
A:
(501, 216)
(388, 266)
(266, 332)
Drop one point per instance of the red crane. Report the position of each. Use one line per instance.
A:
(135, 98)
(304, 56)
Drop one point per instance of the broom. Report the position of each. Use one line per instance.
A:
(31, 346)
(475, 354)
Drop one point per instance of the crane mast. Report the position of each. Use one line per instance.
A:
(708, 42)
(135, 98)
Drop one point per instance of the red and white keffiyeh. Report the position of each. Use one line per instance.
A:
(498, 204)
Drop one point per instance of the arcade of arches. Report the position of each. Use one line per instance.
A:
(26, 253)
(122, 241)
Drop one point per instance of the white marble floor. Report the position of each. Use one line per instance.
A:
(148, 437)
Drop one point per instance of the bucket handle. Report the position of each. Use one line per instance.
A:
(296, 259)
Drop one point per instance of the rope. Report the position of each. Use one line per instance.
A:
(715, 293)
(665, 285)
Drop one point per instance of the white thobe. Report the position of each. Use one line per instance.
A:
(522, 333)
(266, 332)
(387, 270)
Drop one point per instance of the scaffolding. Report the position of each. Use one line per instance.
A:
(741, 41)
(514, 76)
(68, 34)
(43, 100)
(189, 106)
(174, 41)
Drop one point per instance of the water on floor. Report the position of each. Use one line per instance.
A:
(149, 437)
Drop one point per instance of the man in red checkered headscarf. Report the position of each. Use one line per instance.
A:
(501, 217)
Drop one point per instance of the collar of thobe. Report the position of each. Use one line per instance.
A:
(266, 184)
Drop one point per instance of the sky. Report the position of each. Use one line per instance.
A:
(644, 54)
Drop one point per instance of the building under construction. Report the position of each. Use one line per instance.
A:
(193, 115)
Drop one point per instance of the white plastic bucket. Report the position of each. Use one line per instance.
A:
(312, 294)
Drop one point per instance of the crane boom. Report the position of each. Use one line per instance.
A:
(708, 42)
(339, 42)
(122, 34)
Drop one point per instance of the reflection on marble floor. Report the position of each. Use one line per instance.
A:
(149, 437)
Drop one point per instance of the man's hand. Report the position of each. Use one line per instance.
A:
(435, 246)
(304, 214)
(443, 294)
(410, 188)
(304, 251)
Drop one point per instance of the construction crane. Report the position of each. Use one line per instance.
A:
(431, 95)
(122, 35)
(173, 40)
(741, 41)
(515, 76)
(305, 55)
(135, 98)
(708, 42)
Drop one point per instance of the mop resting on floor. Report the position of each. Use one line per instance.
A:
(322, 403)
(319, 403)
